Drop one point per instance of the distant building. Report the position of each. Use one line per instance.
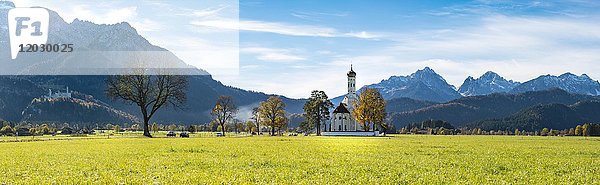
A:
(342, 119)
(51, 95)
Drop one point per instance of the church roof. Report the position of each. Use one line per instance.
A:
(351, 73)
(341, 109)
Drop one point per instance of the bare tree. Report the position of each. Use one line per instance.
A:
(224, 111)
(149, 93)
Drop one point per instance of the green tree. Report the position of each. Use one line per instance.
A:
(117, 128)
(239, 126)
(250, 126)
(149, 93)
(224, 111)
(172, 127)
(316, 109)
(305, 126)
(5, 123)
(517, 132)
(370, 109)
(544, 132)
(155, 127)
(256, 118)
(135, 127)
(191, 129)
(272, 113)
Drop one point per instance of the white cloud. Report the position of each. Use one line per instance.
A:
(363, 35)
(271, 54)
(208, 12)
(280, 28)
(316, 16)
(518, 48)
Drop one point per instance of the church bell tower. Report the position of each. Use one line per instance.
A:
(351, 96)
(351, 81)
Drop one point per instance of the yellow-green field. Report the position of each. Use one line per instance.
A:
(304, 160)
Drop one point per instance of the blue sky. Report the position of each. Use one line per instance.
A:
(291, 47)
(518, 39)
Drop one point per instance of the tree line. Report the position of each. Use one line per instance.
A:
(270, 113)
(440, 127)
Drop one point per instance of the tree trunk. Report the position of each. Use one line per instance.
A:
(146, 130)
(318, 127)
(223, 128)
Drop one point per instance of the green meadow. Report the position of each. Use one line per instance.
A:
(401, 159)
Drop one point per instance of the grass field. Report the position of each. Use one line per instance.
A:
(304, 160)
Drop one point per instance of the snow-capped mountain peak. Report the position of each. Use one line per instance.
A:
(490, 82)
(424, 84)
(569, 82)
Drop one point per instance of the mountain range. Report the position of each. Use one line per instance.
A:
(554, 116)
(18, 93)
(488, 83)
(413, 98)
(569, 82)
(98, 49)
(424, 84)
(464, 111)
(427, 85)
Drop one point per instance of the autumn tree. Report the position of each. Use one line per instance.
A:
(369, 110)
(586, 129)
(578, 130)
(7, 130)
(272, 113)
(149, 92)
(224, 111)
(316, 109)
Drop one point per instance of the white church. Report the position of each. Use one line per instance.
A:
(342, 122)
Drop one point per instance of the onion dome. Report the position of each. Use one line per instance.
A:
(351, 73)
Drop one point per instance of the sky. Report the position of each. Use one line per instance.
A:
(292, 47)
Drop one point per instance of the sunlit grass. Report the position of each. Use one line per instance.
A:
(305, 160)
